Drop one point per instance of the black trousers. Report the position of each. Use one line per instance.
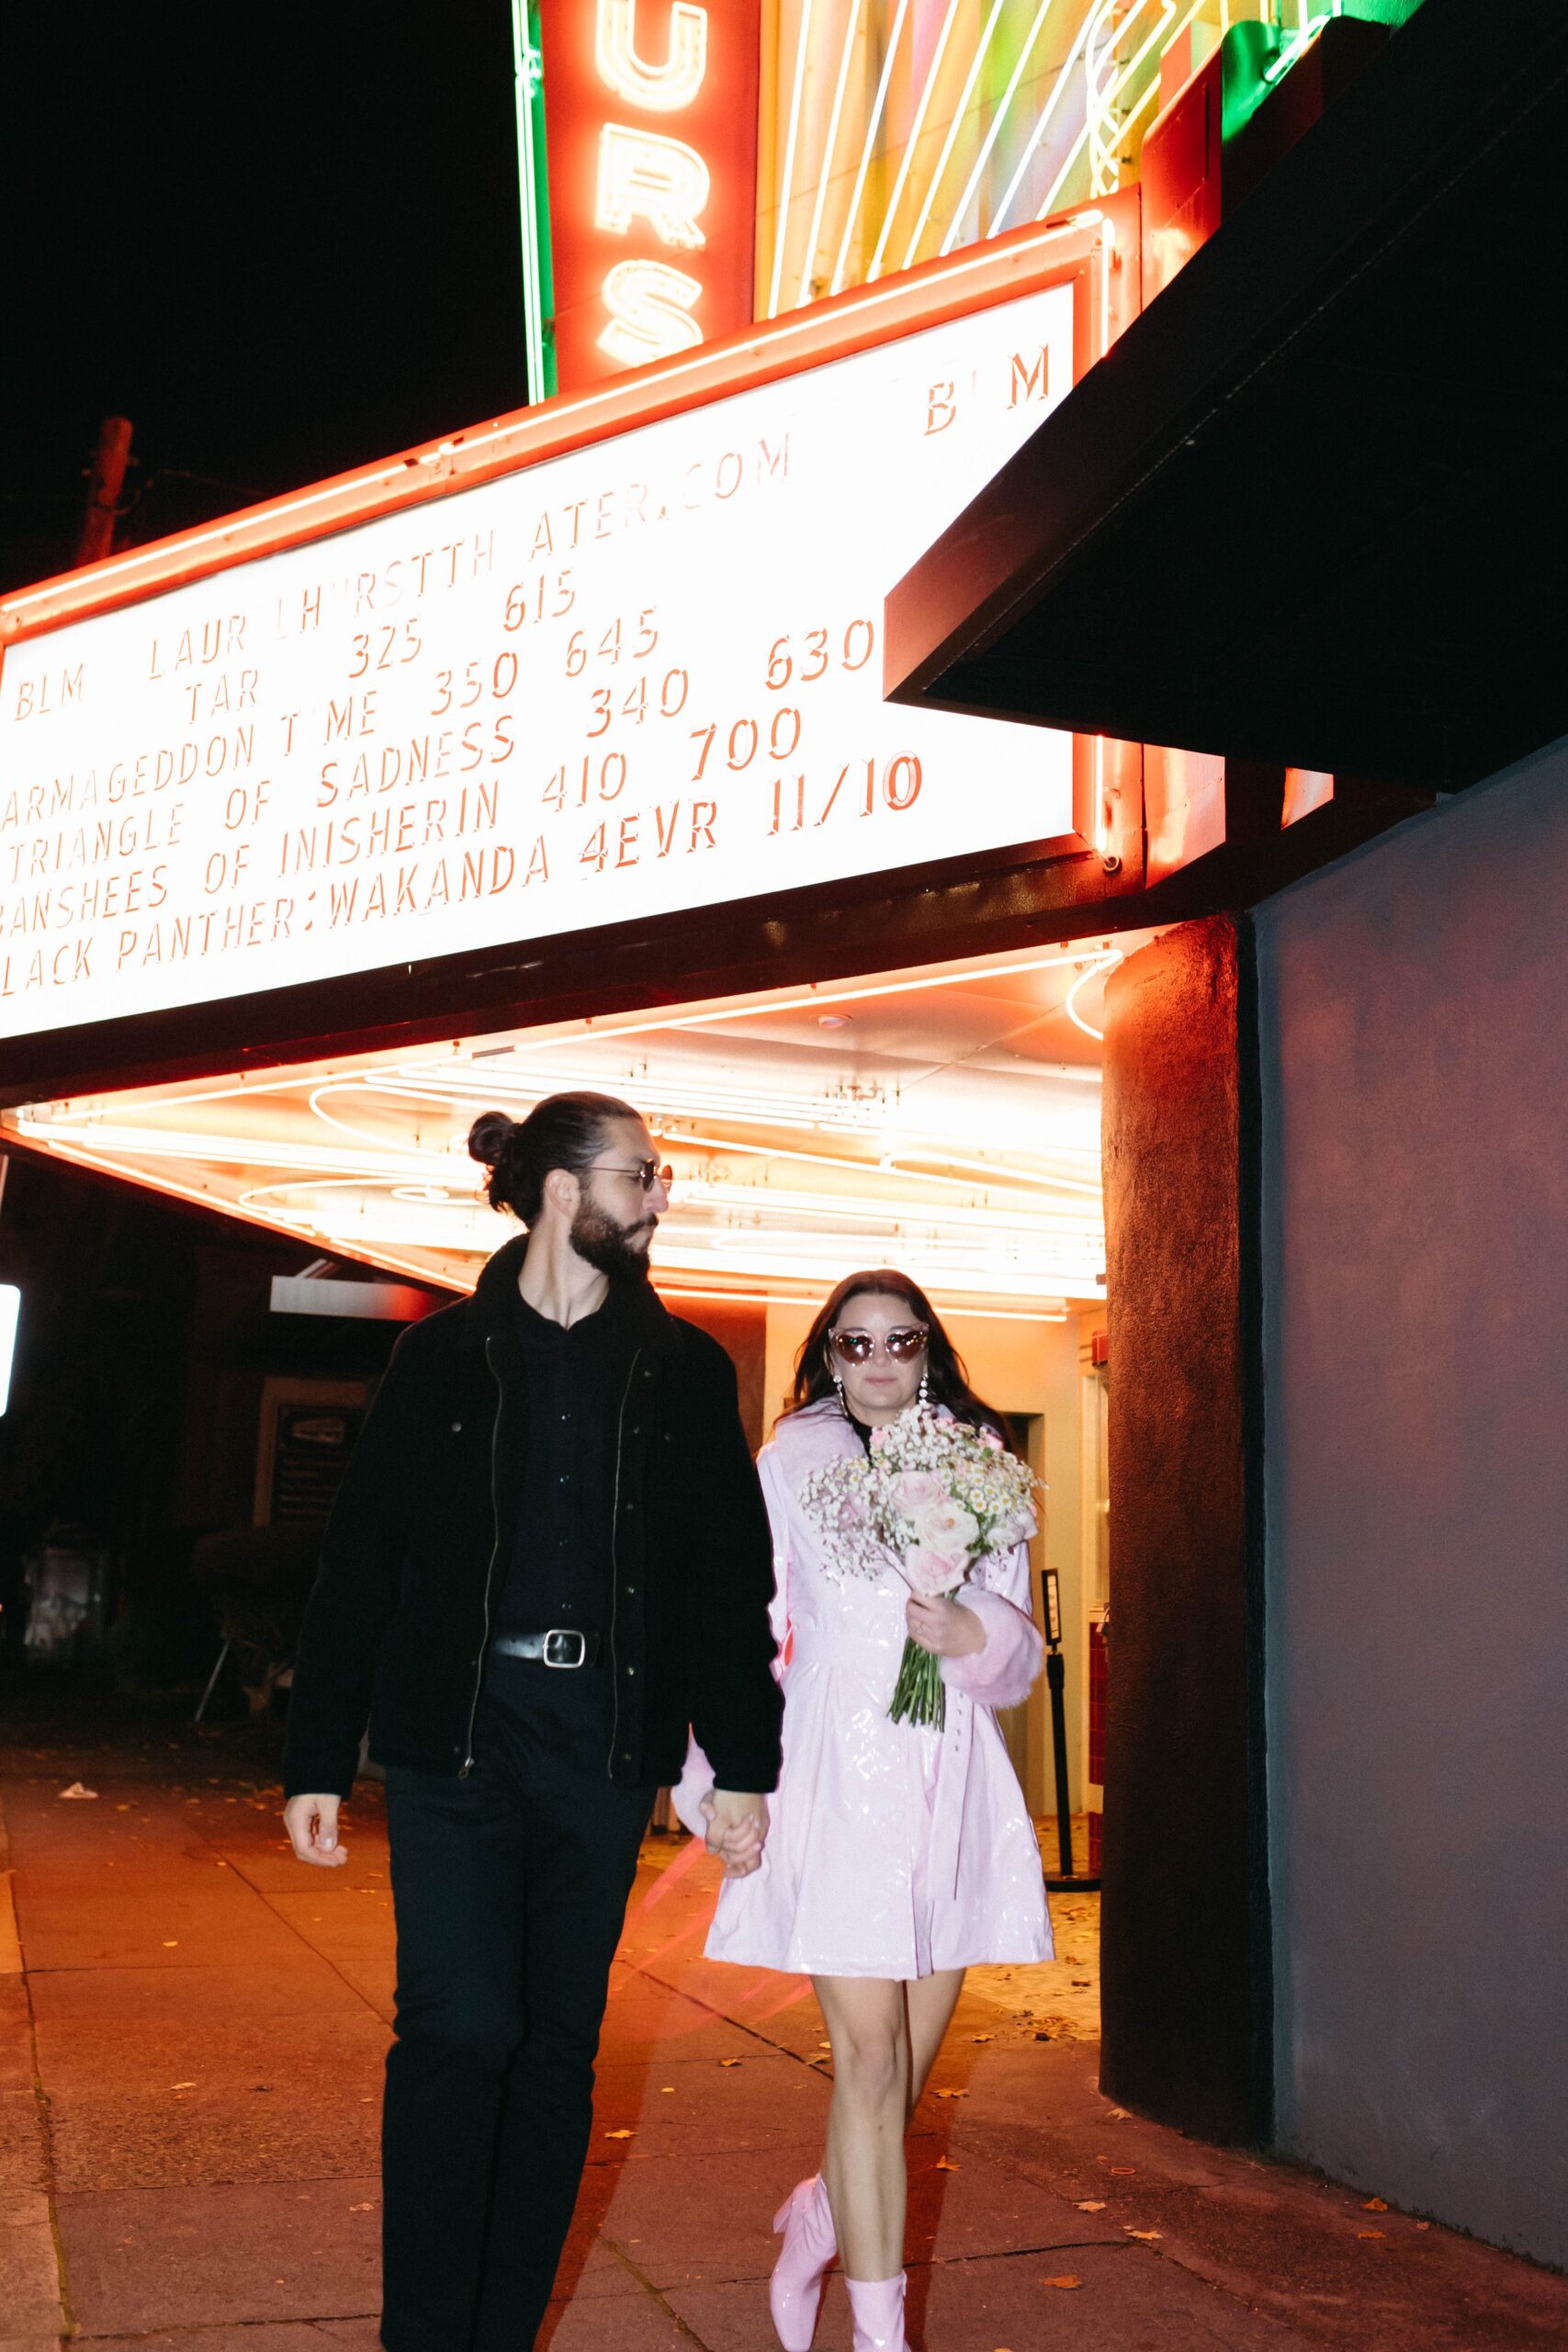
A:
(510, 1889)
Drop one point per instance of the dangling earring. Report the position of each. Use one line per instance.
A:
(838, 1384)
(925, 1387)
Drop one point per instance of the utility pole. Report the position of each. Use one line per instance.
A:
(105, 484)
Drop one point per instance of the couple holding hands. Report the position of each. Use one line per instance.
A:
(554, 1582)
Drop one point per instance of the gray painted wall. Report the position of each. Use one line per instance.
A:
(1414, 1005)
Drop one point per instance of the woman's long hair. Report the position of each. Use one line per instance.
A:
(947, 1381)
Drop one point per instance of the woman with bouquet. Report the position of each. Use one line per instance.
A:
(901, 1852)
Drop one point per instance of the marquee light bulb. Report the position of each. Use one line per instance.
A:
(644, 175)
(659, 90)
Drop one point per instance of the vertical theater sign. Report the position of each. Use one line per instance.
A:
(650, 129)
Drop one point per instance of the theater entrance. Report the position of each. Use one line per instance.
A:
(944, 1118)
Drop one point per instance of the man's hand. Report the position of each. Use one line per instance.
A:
(736, 1830)
(312, 1823)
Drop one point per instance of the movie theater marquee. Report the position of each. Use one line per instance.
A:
(641, 676)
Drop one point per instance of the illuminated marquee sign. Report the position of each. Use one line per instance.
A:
(650, 120)
(642, 675)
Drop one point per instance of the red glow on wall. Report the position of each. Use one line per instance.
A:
(650, 128)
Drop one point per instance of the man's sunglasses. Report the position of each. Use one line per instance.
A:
(646, 1172)
(903, 1345)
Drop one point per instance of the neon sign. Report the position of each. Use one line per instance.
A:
(650, 126)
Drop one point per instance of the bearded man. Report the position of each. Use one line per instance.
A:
(549, 1557)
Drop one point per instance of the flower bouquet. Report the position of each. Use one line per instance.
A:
(938, 1495)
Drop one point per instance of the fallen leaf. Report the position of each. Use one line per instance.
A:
(1068, 2281)
(981, 2037)
(361, 2209)
(1124, 2172)
(945, 2164)
(1091, 2205)
(950, 2094)
(620, 2135)
(1080, 1984)
(170, 1943)
(1368, 2234)
(1120, 2115)
(668, 2089)
(1148, 2237)
(76, 1790)
(182, 2087)
(729, 2061)
(1374, 2205)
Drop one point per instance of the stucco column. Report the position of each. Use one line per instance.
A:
(1186, 1987)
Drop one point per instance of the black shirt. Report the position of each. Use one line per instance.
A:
(574, 1377)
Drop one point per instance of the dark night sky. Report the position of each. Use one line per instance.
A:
(282, 241)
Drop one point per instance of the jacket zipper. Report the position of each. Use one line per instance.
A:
(615, 1567)
(467, 1763)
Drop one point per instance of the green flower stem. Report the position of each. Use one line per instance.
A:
(920, 1695)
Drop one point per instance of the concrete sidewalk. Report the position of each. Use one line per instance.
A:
(191, 2034)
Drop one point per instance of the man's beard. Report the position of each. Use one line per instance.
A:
(608, 1247)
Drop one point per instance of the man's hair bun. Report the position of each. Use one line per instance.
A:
(489, 1137)
(563, 1131)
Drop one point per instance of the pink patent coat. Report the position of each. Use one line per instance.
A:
(892, 1850)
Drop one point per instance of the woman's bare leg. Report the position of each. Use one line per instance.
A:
(932, 2001)
(863, 2168)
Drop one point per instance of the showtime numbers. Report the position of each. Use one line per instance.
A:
(806, 658)
(638, 703)
(740, 745)
(460, 692)
(545, 596)
(387, 648)
(574, 786)
(633, 639)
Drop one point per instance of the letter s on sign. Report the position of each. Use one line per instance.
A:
(662, 180)
(650, 310)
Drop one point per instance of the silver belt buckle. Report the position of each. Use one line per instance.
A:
(555, 1652)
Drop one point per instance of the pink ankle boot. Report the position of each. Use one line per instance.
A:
(878, 2307)
(809, 2244)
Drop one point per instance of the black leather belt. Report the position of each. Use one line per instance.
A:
(561, 1645)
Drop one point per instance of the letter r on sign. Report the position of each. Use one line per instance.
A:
(643, 175)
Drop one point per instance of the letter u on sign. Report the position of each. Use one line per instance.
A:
(662, 89)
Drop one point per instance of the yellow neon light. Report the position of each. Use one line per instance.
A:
(829, 146)
(1107, 98)
(953, 127)
(868, 148)
(797, 97)
(1042, 124)
(660, 89)
(916, 129)
(971, 186)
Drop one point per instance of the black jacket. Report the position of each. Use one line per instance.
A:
(402, 1609)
